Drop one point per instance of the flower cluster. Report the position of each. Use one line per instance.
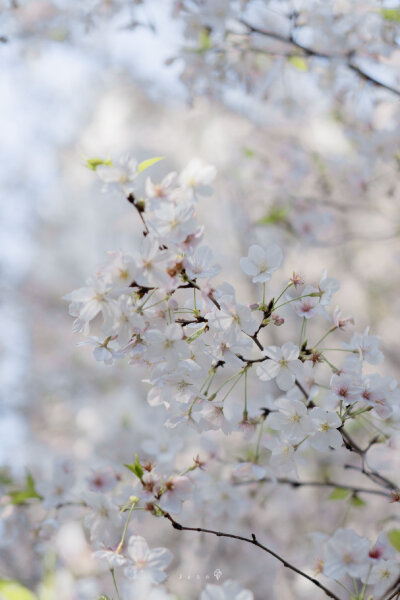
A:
(161, 310)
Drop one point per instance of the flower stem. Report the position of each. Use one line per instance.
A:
(115, 583)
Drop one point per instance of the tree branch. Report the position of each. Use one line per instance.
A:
(296, 484)
(310, 52)
(253, 540)
(370, 473)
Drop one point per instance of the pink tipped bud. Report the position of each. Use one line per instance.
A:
(277, 320)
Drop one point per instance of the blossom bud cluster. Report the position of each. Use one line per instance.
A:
(212, 362)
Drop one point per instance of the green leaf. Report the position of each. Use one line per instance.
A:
(20, 496)
(391, 14)
(11, 590)
(93, 163)
(298, 63)
(394, 538)
(104, 597)
(248, 152)
(356, 501)
(136, 467)
(145, 164)
(339, 494)
(276, 214)
(204, 40)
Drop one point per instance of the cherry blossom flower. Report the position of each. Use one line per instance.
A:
(381, 393)
(168, 344)
(384, 574)
(104, 518)
(367, 346)
(210, 415)
(172, 223)
(181, 384)
(262, 262)
(382, 549)
(102, 480)
(120, 176)
(283, 365)
(111, 558)
(326, 434)
(95, 299)
(57, 491)
(346, 553)
(143, 588)
(229, 590)
(283, 459)
(309, 306)
(292, 420)
(198, 175)
(102, 352)
(121, 269)
(162, 189)
(344, 389)
(228, 344)
(128, 321)
(153, 264)
(327, 286)
(200, 264)
(177, 489)
(233, 315)
(152, 563)
(341, 323)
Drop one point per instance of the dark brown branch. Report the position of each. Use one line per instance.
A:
(191, 321)
(396, 592)
(256, 341)
(371, 79)
(310, 52)
(140, 209)
(333, 484)
(370, 473)
(251, 361)
(301, 388)
(287, 40)
(253, 540)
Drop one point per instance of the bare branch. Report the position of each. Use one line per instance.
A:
(253, 540)
(347, 58)
(333, 484)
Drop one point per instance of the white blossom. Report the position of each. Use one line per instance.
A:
(142, 560)
(283, 365)
(229, 590)
(326, 434)
(262, 262)
(346, 553)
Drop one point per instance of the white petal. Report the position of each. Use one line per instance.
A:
(285, 379)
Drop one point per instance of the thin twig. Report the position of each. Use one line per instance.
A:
(368, 472)
(395, 594)
(347, 57)
(253, 540)
(296, 484)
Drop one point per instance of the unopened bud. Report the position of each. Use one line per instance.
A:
(277, 320)
(395, 496)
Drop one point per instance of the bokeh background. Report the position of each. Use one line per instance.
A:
(314, 166)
